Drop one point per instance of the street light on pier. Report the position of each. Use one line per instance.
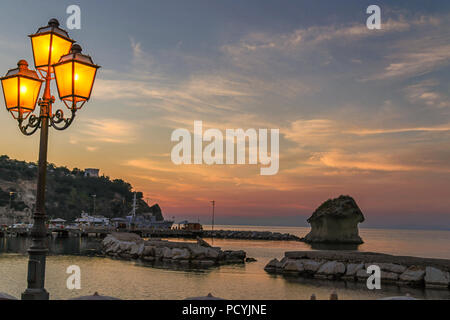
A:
(56, 57)
(95, 197)
(11, 193)
(213, 202)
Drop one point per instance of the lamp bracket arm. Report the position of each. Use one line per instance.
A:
(59, 122)
(34, 123)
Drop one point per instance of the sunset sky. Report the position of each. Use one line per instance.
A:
(360, 112)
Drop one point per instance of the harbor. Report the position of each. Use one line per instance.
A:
(146, 225)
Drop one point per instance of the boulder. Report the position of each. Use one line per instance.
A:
(134, 250)
(237, 254)
(435, 278)
(108, 241)
(198, 252)
(389, 276)
(5, 296)
(362, 275)
(208, 297)
(353, 268)
(332, 268)
(95, 296)
(125, 255)
(140, 250)
(336, 221)
(272, 265)
(203, 243)
(389, 267)
(159, 252)
(167, 253)
(148, 251)
(311, 265)
(413, 275)
(148, 258)
(114, 248)
(293, 266)
(212, 253)
(180, 254)
(125, 246)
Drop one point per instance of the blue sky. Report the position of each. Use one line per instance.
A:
(360, 112)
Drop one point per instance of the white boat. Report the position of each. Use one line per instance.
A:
(56, 224)
(92, 221)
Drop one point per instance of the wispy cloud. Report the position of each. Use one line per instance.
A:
(426, 92)
(417, 60)
(109, 130)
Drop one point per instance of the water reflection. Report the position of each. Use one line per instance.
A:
(334, 246)
(146, 280)
(168, 265)
(361, 288)
(56, 245)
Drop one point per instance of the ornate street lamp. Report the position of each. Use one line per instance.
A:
(54, 54)
(49, 44)
(75, 75)
(21, 88)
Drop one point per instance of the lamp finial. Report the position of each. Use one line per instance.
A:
(76, 48)
(53, 22)
(22, 64)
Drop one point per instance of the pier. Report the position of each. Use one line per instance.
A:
(103, 231)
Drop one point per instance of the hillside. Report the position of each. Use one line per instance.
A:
(68, 192)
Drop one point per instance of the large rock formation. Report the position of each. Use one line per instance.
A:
(156, 211)
(336, 221)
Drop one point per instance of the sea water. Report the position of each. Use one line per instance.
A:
(139, 280)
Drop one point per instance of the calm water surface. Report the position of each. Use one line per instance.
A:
(135, 280)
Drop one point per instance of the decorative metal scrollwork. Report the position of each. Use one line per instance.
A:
(58, 118)
(34, 123)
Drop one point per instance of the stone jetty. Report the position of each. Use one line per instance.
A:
(200, 254)
(249, 235)
(352, 266)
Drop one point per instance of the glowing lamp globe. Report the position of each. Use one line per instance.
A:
(50, 43)
(75, 75)
(21, 88)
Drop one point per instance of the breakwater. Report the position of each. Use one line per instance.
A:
(250, 235)
(352, 266)
(200, 254)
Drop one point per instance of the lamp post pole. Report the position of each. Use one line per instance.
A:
(38, 249)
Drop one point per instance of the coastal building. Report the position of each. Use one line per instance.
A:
(189, 226)
(91, 172)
